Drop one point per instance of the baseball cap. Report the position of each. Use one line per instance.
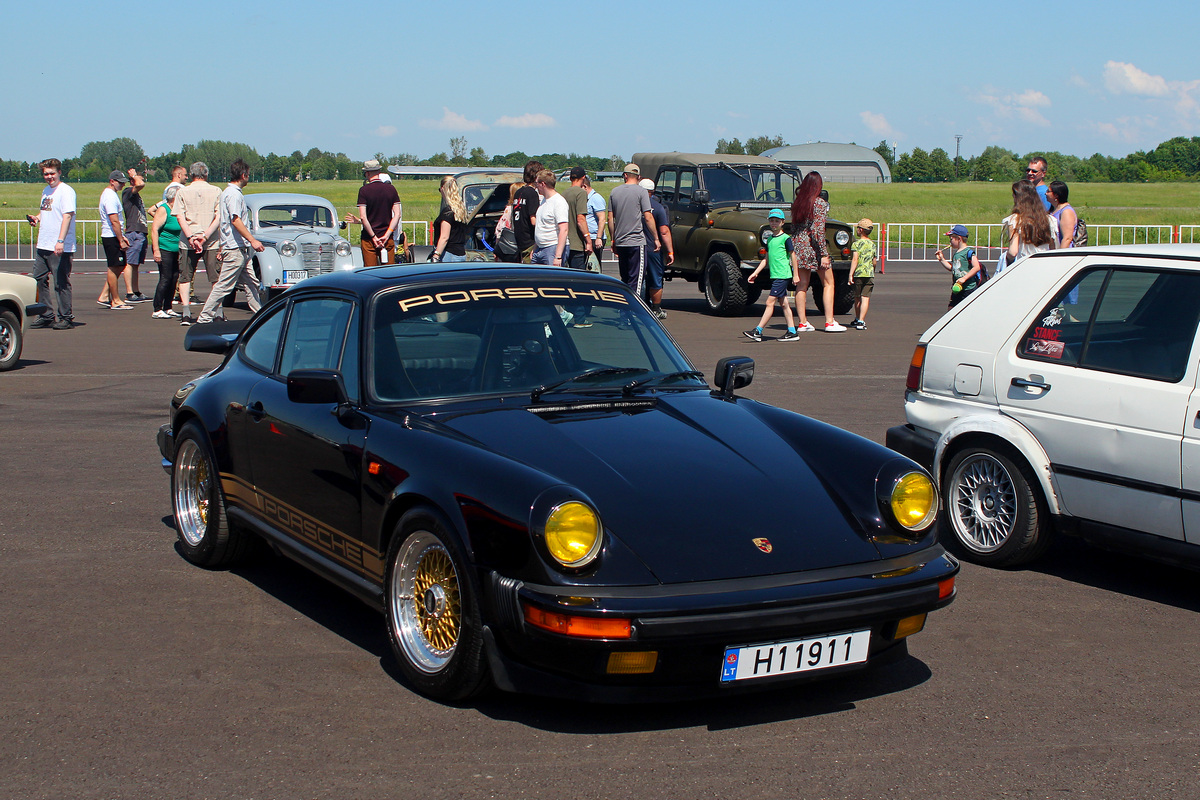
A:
(865, 224)
(958, 230)
(632, 169)
(776, 213)
(577, 172)
(117, 175)
(371, 165)
(646, 184)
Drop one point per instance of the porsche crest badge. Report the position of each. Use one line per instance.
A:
(763, 544)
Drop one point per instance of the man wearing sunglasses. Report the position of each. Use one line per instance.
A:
(1035, 173)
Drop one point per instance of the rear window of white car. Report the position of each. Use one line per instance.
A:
(1113, 319)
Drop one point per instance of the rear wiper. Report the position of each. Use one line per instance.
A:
(538, 391)
(628, 388)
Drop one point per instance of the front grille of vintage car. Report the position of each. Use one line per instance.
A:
(316, 256)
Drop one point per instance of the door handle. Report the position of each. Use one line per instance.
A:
(256, 411)
(1028, 384)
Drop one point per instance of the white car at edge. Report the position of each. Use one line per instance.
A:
(1062, 398)
(18, 302)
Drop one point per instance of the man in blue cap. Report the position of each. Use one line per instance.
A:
(781, 258)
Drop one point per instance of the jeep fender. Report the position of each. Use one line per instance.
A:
(1004, 431)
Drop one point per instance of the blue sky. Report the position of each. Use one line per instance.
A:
(599, 78)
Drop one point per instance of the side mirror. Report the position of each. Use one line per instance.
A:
(316, 386)
(342, 225)
(825, 195)
(701, 197)
(733, 372)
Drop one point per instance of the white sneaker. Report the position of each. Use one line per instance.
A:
(173, 313)
(833, 327)
(805, 328)
(161, 315)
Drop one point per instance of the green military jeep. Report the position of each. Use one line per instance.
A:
(717, 206)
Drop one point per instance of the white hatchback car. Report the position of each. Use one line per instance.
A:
(1062, 397)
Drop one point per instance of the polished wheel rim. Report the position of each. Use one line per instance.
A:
(984, 504)
(426, 605)
(8, 340)
(193, 489)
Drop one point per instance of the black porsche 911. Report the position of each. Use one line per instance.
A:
(522, 471)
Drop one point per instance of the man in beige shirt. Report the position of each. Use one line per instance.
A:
(196, 209)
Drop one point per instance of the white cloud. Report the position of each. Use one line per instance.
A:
(1127, 130)
(452, 121)
(1023, 105)
(385, 130)
(1122, 78)
(876, 123)
(527, 121)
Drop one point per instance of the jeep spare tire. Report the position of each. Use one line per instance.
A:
(723, 286)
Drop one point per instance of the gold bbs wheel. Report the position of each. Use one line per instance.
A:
(426, 604)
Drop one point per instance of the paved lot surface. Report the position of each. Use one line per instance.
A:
(129, 673)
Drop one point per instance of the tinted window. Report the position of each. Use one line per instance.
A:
(1132, 322)
(316, 334)
(259, 346)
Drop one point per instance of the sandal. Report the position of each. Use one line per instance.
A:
(121, 307)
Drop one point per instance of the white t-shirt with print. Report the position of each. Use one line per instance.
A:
(110, 203)
(552, 211)
(56, 203)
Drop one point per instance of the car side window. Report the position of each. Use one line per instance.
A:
(687, 185)
(316, 334)
(1127, 321)
(261, 344)
(664, 187)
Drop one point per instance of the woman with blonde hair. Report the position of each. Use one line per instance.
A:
(1029, 228)
(450, 227)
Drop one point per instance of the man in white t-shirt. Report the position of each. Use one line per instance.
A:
(55, 222)
(238, 246)
(112, 236)
(550, 228)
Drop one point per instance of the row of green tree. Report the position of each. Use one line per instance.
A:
(97, 159)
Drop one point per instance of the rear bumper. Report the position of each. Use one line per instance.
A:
(906, 441)
(36, 310)
(690, 628)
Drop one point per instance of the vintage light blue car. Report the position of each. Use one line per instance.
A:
(300, 232)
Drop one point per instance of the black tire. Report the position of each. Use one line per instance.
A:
(432, 610)
(843, 293)
(752, 295)
(11, 340)
(205, 536)
(723, 285)
(994, 511)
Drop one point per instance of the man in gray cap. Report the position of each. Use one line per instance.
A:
(379, 210)
(112, 237)
(630, 215)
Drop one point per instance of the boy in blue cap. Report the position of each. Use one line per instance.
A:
(782, 260)
(963, 265)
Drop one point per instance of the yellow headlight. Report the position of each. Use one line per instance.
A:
(573, 534)
(914, 501)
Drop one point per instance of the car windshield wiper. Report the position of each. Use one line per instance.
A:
(629, 388)
(538, 391)
(723, 165)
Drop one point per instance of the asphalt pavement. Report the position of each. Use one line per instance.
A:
(130, 673)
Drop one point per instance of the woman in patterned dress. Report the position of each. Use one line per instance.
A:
(809, 213)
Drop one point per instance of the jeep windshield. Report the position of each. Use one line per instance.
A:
(733, 183)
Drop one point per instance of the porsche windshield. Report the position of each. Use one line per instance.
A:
(739, 183)
(499, 337)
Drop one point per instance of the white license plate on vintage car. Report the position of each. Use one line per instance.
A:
(294, 275)
(801, 655)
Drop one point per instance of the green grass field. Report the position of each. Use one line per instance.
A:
(970, 203)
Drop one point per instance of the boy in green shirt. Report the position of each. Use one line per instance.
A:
(862, 272)
(782, 260)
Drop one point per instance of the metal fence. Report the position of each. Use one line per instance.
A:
(919, 241)
(19, 238)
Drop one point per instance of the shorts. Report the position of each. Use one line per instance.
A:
(779, 287)
(189, 259)
(135, 254)
(654, 269)
(113, 253)
(863, 287)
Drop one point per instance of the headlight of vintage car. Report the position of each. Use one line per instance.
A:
(287, 249)
(573, 534)
(913, 501)
(842, 238)
(342, 248)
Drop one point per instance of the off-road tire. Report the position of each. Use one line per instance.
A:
(723, 285)
(843, 293)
